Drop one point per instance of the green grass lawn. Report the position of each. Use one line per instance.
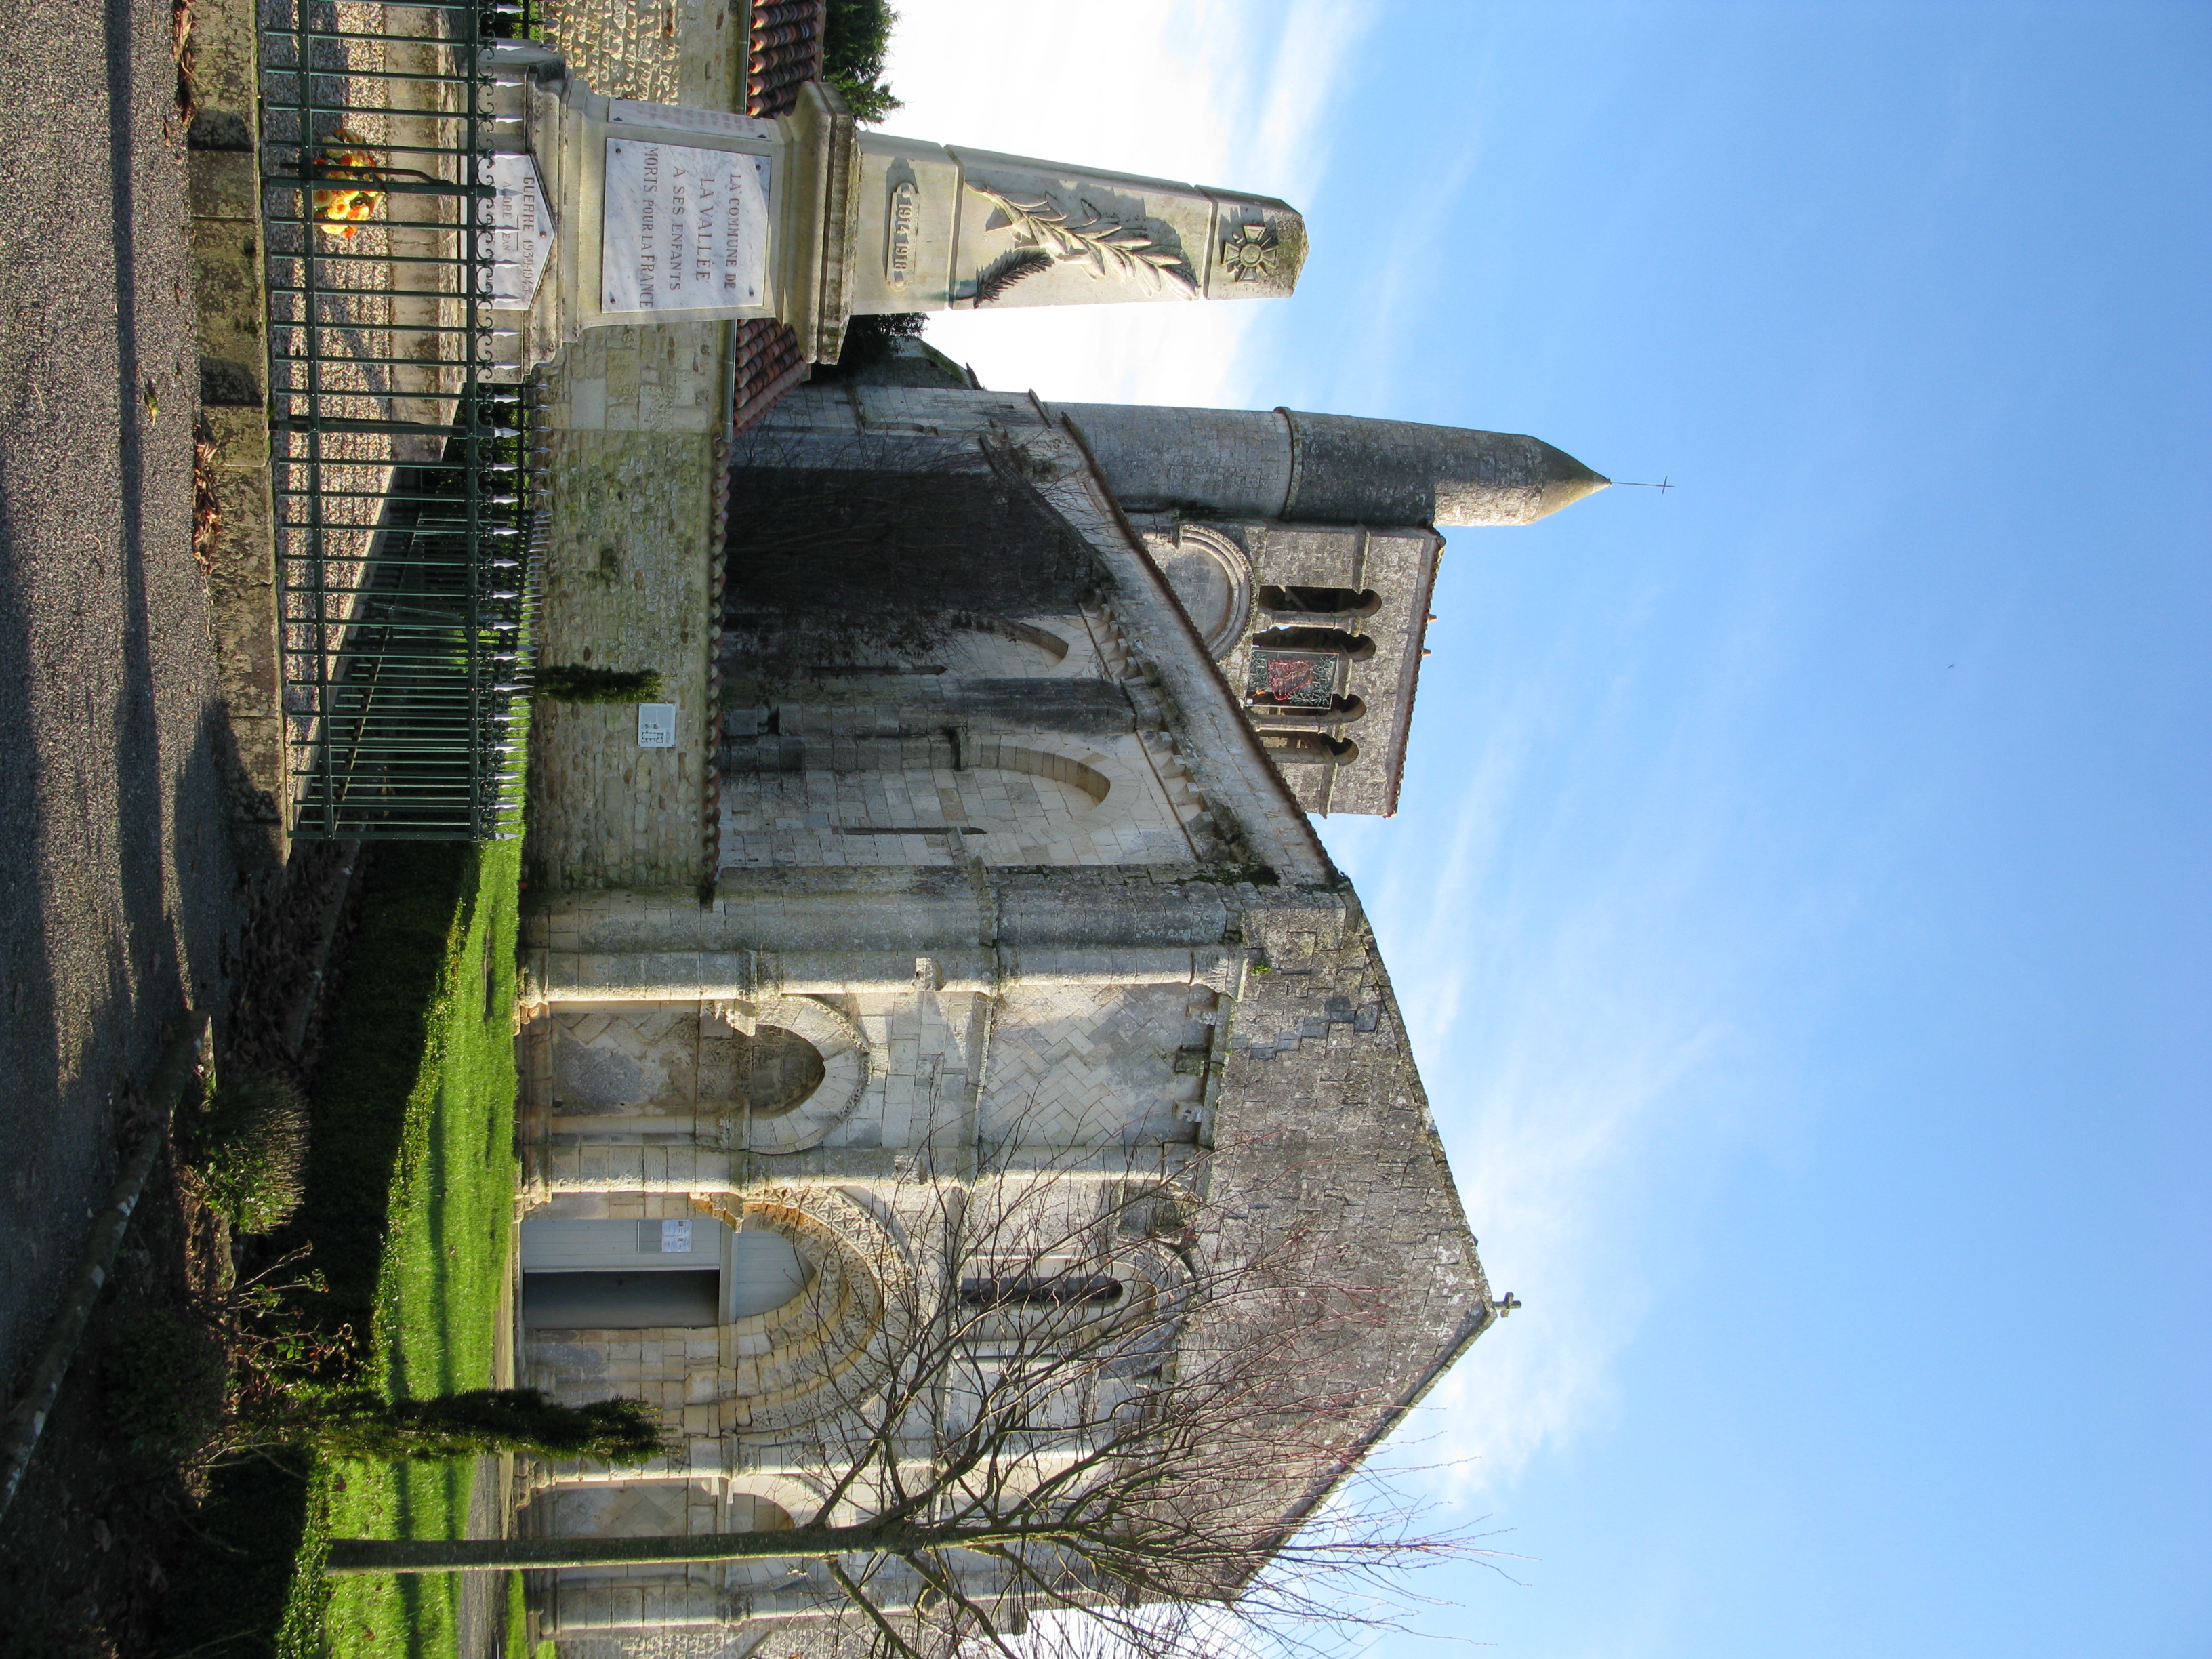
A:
(432, 1308)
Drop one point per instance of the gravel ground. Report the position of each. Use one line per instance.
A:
(117, 882)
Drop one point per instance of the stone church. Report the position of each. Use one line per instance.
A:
(1037, 871)
(970, 835)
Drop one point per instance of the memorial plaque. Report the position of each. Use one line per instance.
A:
(685, 229)
(1292, 679)
(516, 230)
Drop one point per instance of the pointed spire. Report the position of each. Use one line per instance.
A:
(1325, 469)
(1566, 481)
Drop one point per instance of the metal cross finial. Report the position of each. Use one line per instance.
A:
(1662, 486)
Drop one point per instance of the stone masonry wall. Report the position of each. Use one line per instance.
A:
(1321, 1118)
(632, 414)
(1217, 988)
(627, 584)
(960, 778)
(662, 51)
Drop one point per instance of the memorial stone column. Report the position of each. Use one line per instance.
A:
(612, 211)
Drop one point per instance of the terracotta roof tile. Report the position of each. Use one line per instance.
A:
(784, 53)
(769, 363)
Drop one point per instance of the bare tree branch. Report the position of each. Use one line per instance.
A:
(1090, 1403)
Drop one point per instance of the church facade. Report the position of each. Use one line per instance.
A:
(1010, 872)
(965, 856)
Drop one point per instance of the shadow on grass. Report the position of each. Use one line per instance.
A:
(230, 1576)
(442, 1268)
(231, 1581)
(378, 1054)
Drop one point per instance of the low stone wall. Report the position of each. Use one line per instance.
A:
(232, 309)
(663, 51)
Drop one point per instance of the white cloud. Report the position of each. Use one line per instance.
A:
(1556, 1042)
(1224, 92)
(1579, 1061)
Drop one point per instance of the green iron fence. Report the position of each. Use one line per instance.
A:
(408, 523)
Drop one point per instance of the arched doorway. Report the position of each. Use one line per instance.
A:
(641, 1275)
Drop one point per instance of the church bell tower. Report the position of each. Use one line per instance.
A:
(1304, 549)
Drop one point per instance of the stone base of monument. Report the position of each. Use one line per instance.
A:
(660, 213)
(665, 214)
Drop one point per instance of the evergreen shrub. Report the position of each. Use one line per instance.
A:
(580, 683)
(361, 1424)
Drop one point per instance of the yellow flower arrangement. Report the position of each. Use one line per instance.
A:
(344, 207)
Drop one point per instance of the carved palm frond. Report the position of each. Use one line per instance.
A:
(1110, 247)
(1009, 268)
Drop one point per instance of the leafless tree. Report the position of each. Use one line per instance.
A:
(1102, 1412)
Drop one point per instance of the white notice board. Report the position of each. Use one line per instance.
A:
(683, 229)
(656, 725)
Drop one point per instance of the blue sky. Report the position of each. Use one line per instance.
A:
(1800, 894)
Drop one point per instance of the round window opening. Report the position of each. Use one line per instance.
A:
(776, 1070)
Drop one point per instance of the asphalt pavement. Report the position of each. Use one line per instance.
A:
(117, 882)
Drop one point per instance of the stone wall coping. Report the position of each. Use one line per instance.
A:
(572, 977)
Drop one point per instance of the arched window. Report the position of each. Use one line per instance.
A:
(782, 1073)
(1034, 1290)
(1357, 648)
(776, 1070)
(1320, 601)
(751, 1512)
(1212, 581)
(1341, 711)
(1309, 749)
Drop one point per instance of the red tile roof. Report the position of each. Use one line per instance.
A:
(785, 53)
(768, 365)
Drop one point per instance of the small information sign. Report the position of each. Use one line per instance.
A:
(676, 1238)
(683, 229)
(656, 725)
